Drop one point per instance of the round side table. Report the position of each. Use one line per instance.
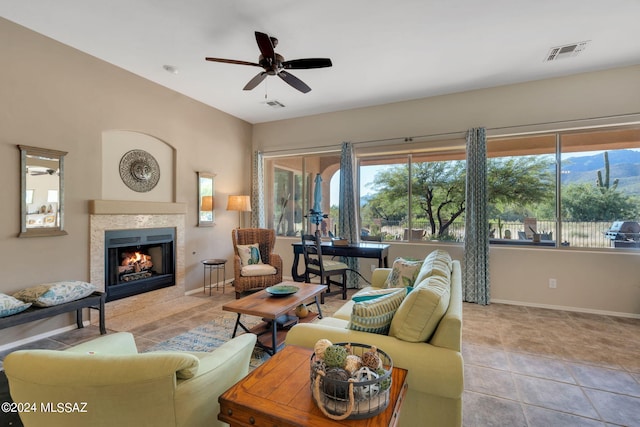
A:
(218, 265)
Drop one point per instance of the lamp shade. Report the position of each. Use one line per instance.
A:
(206, 203)
(239, 203)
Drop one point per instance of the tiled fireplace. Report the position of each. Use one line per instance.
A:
(112, 217)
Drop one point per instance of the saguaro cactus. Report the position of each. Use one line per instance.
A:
(603, 185)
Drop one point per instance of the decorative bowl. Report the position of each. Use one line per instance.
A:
(282, 290)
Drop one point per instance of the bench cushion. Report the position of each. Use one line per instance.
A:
(50, 294)
(10, 305)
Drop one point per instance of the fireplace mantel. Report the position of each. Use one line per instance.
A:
(128, 207)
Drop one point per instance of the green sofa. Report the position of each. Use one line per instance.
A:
(106, 382)
(435, 366)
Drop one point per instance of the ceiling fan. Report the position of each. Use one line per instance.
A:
(275, 65)
(40, 171)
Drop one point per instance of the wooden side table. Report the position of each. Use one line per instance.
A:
(218, 265)
(278, 393)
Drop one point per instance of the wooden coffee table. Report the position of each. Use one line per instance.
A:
(278, 393)
(276, 312)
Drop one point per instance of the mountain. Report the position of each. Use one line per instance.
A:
(624, 165)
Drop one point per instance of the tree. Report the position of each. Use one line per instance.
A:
(599, 202)
(438, 189)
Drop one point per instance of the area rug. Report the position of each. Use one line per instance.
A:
(208, 337)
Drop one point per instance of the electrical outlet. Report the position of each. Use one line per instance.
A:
(553, 283)
(373, 267)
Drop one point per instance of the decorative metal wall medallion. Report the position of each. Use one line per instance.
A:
(139, 170)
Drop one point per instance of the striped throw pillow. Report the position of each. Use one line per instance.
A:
(375, 315)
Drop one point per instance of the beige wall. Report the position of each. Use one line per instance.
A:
(594, 281)
(55, 97)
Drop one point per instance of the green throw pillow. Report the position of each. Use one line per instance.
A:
(375, 315)
(420, 312)
(437, 263)
(403, 273)
(372, 294)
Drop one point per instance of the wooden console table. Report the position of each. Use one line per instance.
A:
(278, 393)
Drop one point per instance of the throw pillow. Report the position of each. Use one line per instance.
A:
(420, 312)
(403, 273)
(373, 294)
(10, 305)
(438, 263)
(249, 254)
(375, 315)
(50, 294)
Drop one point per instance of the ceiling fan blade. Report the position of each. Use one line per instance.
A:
(232, 61)
(303, 64)
(294, 81)
(255, 81)
(265, 45)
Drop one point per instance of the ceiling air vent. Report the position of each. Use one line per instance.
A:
(566, 51)
(274, 104)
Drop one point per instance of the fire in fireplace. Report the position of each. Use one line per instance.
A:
(138, 260)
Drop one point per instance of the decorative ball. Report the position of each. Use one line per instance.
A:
(386, 383)
(320, 346)
(352, 363)
(301, 311)
(316, 366)
(335, 356)
(369, 390)
(371, 359)
(335, 383)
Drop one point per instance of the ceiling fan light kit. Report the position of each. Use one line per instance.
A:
(274, 64)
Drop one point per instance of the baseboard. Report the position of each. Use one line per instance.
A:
(41, 336)
(201, 289)
(564, 308)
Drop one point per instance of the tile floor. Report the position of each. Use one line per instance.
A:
(523, 366)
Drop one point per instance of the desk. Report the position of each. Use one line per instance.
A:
(377, 251)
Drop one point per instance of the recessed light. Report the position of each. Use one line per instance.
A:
(170, 69)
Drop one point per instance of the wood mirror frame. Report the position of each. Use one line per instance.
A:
(206, 202)
(41, 192)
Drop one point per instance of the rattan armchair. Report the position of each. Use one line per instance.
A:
(266, 239)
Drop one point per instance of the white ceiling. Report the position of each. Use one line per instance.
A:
(382, 51)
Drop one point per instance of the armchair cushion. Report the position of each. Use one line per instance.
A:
(258, 270)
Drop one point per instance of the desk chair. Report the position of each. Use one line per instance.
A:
(317, 265)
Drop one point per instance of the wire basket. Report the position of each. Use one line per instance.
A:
(363, 394)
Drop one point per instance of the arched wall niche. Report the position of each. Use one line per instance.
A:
(115, 144)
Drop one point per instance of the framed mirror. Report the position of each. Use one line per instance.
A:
(206, 203)
(41, 192)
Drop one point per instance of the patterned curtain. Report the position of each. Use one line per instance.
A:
(257, 191)
(476, 241)
(347, 221)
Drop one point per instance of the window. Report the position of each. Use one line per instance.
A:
(418, 195)
(289, 194)
(598, 185)
(571, 188)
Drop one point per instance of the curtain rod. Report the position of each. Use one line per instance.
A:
(333, 147)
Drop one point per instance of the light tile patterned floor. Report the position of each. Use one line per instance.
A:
(523, 366)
